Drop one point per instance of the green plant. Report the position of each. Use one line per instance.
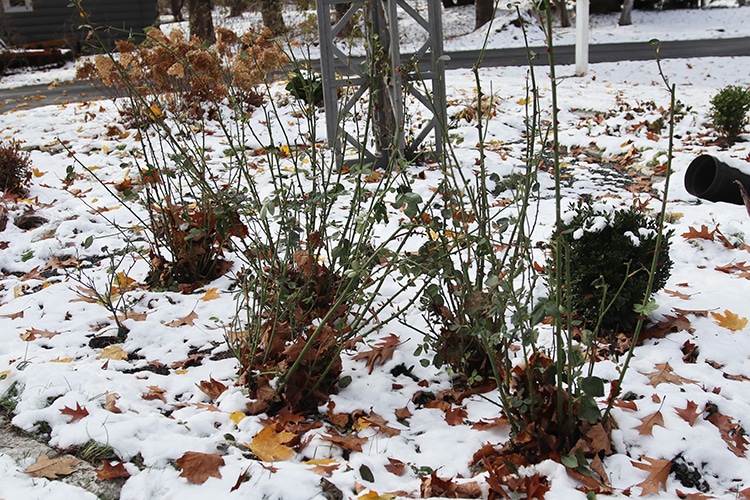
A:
(15, 169)
(310, 237)
(608, 254)
(91, 451)
(112, 294)
(9, 398)
(729, 109)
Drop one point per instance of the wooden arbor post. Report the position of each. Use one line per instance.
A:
(386, 78)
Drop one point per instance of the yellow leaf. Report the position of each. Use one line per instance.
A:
(730, 320)
(61, 360)
(181, 371)
(155, 111)
(321, 461)
(113, 352)
(523, 101)
(269, 445)
(211, 294)
(122, 283)
(37, 172)
(237, 416)
(374, 495)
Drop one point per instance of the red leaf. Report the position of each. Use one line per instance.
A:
(381, 352)
(703, 233)
(689, 414)
(395, 466)
(455, 415)
(212, 388)
(109, 471)
(78, 413)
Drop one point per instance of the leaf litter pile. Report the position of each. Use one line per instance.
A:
(166, 402)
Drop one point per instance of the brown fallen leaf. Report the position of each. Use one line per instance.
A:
(77, 413)
(380, 352)
(34, 333)
(678, 294)
(665, 374)
(395, 466)
(702, 233)
(212, 388)
(110, 402)
(349, 441)
(690, 413)
(731, 432)
(270, 446)
(648, 422)
(658, 472)
(456, 415)
(52, 468)
(730, 320)
(692, 496)
(323, 466)
(198, 467)
(188, 320)
(109, 471)
(155, 392)
(375, 420)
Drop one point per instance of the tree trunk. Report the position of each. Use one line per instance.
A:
(201, 22)
(561, 6)
(627, 10)
(176, 8)
(237, 7)
(270, 11)
(485, 10)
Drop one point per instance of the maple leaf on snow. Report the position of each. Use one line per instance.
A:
(665, 374)
(730, 320)
(198, 467)
(270, 446)
(52, 468)
(380, 352)
(658, 472)
(77, 413)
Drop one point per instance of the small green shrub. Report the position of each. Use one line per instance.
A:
(609, 254)
(15, 168)
(729, 108)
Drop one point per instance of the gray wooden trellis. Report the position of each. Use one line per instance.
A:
(385, 76)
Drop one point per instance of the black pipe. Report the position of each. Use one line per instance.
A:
(713, 180)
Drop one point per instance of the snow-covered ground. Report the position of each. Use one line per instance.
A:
(46, 326)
